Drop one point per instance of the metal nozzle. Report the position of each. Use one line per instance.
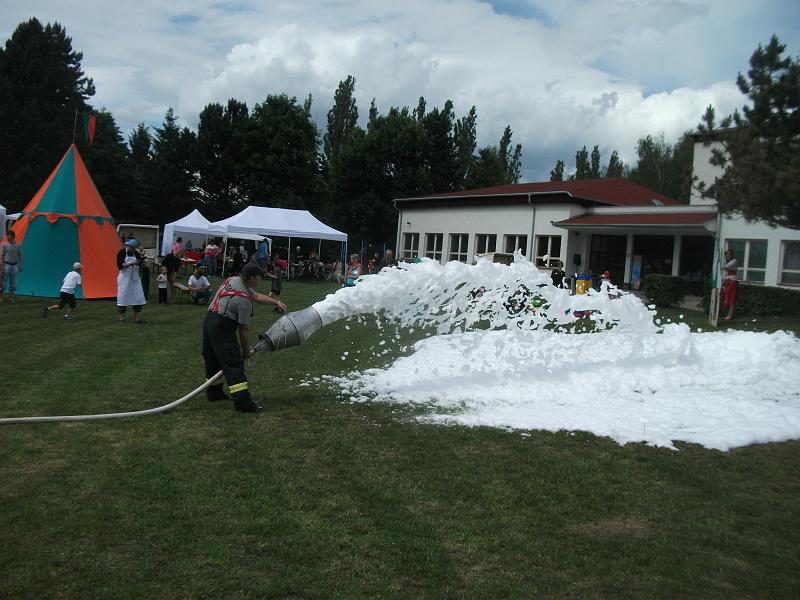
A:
(292, 329)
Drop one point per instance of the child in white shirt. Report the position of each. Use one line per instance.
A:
(162, 285)
(67, 294)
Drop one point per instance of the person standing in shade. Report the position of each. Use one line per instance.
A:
(388, 260)
(173, 265)
(238, 261)
(11, 263)
(730, 287)
(177, 247)
(162, 285)
(211, 257)
(227, 319)
(263, 254)
(557, 274)
(129, 284)
(67, 293)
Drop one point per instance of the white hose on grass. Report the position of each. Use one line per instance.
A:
(120, 415)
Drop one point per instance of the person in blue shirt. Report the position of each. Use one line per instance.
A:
(263, 254)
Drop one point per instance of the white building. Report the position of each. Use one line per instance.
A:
(598, 225)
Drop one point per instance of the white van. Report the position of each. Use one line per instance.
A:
(146, 235)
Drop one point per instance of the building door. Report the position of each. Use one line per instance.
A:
(697, 255)
(656, 253)
(608, 254)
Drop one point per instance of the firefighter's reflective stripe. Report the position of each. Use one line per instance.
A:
(238, 387)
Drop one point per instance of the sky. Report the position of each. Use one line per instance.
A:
(562, 73)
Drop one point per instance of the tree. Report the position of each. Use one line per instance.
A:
(488, 169)
(760, 154)
(107, 160)
(41, 88)
(583, 169)
(465, 139)
(171, 171)
(557, 174)
(342, 120)
(594, 172)
(441, 148)
(140, 143)
(219, 154)
(282, 161)
(615, 167)
(664, 168)
(512, 164)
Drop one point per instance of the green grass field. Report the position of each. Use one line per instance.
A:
(318, 497)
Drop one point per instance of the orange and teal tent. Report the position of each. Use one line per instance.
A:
(67, 222)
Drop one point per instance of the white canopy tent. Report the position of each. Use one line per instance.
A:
(284, 222)
(194, 222)
(2, 221)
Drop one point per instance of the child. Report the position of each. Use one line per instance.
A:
(67, 295)
(162, 285)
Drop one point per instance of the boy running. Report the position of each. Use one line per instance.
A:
(67, 295)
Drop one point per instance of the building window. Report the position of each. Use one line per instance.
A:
(485, 242)
(410, 246)
(790, 263)
(548, 251)
(433, 245)
(752, 258)
(516, 242)
(458, 246)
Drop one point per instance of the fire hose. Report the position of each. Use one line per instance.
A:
(292, 329)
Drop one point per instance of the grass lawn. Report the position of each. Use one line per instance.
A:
(321, 498)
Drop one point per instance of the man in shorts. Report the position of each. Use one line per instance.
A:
(67, 294)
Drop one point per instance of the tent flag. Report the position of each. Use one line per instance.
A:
(89, 123)
(66, 222)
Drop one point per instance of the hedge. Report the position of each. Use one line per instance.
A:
(761, 301)
(665, 290)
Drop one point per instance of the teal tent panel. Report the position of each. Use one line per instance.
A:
(49, 251)
(60, 196)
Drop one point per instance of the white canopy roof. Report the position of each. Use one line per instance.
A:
(283, 222)
(194, 222)
(2, 221)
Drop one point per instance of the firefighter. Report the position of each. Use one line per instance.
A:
(230, 310)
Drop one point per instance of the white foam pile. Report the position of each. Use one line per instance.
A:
(507, 356)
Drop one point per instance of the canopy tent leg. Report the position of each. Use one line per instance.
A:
(224, 253)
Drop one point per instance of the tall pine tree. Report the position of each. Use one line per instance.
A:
(761, 146)
(42, 85)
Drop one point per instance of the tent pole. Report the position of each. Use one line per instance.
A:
(224, 253)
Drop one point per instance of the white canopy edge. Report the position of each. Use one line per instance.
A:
(284, 222)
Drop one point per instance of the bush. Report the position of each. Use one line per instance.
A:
(665, 290)
(761, 301)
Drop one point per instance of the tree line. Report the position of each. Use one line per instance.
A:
(663, 167)
(270, 154)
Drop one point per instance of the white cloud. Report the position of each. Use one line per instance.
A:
(562, 74)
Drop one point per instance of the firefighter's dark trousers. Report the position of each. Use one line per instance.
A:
(221, 351)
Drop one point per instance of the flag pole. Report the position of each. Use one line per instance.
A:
(74, 125)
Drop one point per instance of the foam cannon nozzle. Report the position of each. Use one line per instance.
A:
(292, 329)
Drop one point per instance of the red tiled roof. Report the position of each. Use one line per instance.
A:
(658, 218)
(615, 192)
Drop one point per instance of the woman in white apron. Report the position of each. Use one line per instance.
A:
(129, 284)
